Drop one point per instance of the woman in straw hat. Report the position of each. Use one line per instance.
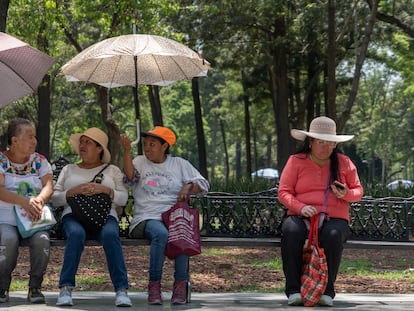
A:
(316, 179)
(91, 146)
(158, 181)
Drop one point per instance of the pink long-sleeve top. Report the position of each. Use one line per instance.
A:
(303, 182)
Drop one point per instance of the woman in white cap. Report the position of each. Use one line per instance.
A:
(316, 179)
(158, 181)
(76, 179)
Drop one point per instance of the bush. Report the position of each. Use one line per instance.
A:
(242, 185)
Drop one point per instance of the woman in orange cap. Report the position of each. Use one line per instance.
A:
(158, 181)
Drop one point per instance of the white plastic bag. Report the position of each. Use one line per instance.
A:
(27, 227)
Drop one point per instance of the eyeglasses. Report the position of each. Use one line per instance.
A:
(321, 142)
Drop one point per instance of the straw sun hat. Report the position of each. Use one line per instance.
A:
(322, 128)
(95, 134)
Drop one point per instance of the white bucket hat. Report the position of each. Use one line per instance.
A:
(322, 128)
(97, 135)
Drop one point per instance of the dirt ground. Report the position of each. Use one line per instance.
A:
(224, 270)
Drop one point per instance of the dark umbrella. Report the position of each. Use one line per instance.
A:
(22, 68)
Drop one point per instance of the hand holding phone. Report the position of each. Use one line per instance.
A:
(339, 185)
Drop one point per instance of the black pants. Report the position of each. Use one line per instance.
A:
(332, 237)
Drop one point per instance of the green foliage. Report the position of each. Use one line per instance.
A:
(239, 39)
(243, 185)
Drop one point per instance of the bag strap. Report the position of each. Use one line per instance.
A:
(93, 179)
(189, 193)
(313, 231)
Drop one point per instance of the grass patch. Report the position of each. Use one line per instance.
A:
(355, 266)
(274, 264)
(214, 251)
(88, 282)
(19, 285)
(368, 268)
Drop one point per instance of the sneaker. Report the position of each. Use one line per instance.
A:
(154, 293)
(326, 301)
(122, 299)
(35, 296)
(295, 299)
(65, 297)
(4, 295)
(179, 295)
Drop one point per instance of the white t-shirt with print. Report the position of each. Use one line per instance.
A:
(159, 184)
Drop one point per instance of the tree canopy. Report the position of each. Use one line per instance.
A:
(275, 65)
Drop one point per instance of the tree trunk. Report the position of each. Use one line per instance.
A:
(154, 97)
(331, 87)
(113, 130)
(226, 152)
(238, 160)
(247, 127)
(4, 7)
(43, 93)
(279, 90)
(358, 67)
(202, 154)
(43, 118)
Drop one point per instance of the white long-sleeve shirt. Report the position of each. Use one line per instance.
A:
(72, 175)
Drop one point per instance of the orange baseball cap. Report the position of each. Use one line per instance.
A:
(162, 132)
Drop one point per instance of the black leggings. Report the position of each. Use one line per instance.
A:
(332, 237)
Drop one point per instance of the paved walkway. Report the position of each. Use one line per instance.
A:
(104, 301)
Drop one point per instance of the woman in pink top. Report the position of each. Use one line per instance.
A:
(316, 179)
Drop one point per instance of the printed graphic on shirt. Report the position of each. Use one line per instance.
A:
(156, 183)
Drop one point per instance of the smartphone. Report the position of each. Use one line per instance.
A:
(339, 185)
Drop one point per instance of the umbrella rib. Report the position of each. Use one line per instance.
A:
(94, 70)
(20, 76)
(177, 65)
(116, 67)
(158, 67)
(179, 68)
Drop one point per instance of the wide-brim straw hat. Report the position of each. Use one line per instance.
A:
(322, 128)
(95, 134)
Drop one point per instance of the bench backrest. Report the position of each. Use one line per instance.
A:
(261, 215)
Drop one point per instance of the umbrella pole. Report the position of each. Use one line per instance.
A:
(137, 112)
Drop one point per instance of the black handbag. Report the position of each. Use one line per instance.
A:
(92, 211)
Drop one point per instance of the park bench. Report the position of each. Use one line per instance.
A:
(254, 220)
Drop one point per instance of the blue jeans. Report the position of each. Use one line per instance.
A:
(39, 245)
(75, 242)
(157, 233)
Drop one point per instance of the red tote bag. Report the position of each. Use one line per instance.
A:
(315, 268)
(183, 227)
